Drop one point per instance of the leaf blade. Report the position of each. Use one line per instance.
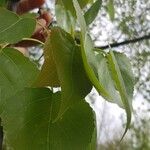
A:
(32, 126)
(70, 69)
(111, 9)
(87, 52)
(13, 28)
(92, 12)
(121, 88)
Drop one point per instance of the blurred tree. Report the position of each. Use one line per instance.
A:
(129, 32)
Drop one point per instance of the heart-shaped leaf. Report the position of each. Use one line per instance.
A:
(28, 122)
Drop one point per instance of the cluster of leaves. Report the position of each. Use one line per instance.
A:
(36, 117)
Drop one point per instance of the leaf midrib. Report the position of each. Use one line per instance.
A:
(11, 26)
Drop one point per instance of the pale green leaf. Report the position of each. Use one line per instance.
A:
(69, 4)
(64, 18)
(111, 9)
(126, 72)
(121, 86)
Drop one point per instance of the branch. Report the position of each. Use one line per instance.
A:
(146, 37)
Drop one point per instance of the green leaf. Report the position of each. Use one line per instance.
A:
(126, 72)
(29, 15)
(28, 125)
(3, 3)
(65, 13)
(104, 77)
(16, 72)
(69, 4)
(92, 12)
(93, 144)
(64, 18)
(16, 69)
(111, 9)
(13, 28)
(88, 55)
(121, 74)
(83, 3)
(74, 82)
(48, 74)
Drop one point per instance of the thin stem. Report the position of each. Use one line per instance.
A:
(35, 40)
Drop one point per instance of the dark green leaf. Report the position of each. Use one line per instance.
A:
(16, 72)
(16, 69)
(73, 79)
(92, 12)
(13, 28)
(28, 122)
(93, 144)
(48, 75)
(3, 3)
